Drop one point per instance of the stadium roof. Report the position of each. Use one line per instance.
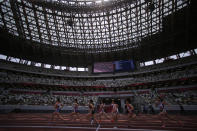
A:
(89, 26)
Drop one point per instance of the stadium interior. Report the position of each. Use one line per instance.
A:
(100, 50)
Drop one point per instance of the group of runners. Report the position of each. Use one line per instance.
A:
(113, 116)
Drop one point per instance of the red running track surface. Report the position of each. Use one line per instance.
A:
(42, 122)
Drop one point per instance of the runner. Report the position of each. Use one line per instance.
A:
(75, 111)
(102, 111)
(58, 106)
(91, 112)
(163, 113)
(114, 111)
(130, 109)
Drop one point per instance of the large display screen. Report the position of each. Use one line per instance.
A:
(103, 67)
(116, 66)
(124, 65)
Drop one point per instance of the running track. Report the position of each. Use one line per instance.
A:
(41, 122)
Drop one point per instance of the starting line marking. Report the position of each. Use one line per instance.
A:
(88, 128)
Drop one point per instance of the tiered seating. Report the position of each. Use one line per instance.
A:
(19, 77)
(14, 97)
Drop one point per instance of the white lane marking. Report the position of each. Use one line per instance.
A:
(88, 128)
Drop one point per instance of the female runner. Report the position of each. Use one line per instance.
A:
(75, 111)
(102, 111)
(163, 114)
(58, 106)
(91, 112)
(114, 111)
(130, 109)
